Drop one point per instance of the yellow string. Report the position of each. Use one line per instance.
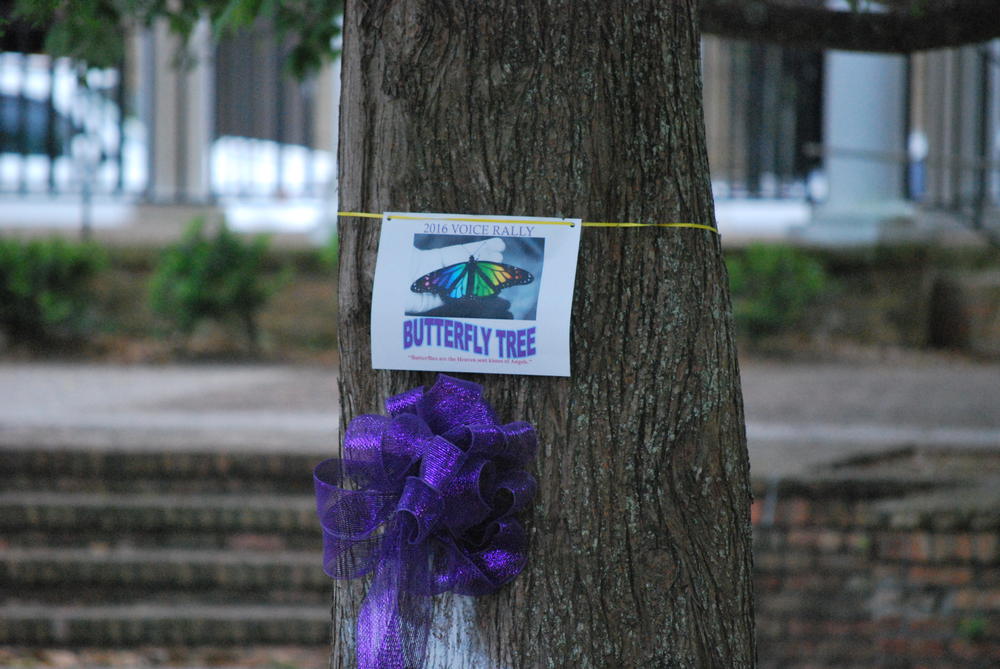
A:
(586, 224)
(699, 226)
(358, 214)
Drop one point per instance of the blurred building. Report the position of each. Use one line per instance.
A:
(853, 147)
(217, 125)
(230, 122)
(830, 146)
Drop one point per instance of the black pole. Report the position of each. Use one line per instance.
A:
(23, 125)
(52, 149)
(983, 139)
(907, 126)
(120, 100)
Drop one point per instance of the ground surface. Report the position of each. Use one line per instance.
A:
(799, 414)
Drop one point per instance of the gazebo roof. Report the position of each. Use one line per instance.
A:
(892, 26)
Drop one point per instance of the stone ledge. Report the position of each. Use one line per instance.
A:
(100, 470)
(72, 574)
(117, 514)
(41, 625)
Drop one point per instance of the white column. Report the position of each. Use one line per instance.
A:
(865, 104)
(177, 111)
(200, 111)
(864, 138)
(327, 138)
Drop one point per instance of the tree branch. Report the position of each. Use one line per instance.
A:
(910, 26)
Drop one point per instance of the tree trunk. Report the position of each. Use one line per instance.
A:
(640, 535)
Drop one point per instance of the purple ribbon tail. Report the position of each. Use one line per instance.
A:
(394, 621)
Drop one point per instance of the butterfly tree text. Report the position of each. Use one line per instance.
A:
(470, 338)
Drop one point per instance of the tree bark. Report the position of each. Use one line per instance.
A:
(640, 535)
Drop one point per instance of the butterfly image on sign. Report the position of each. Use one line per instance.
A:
(471, 279)
(468, 276)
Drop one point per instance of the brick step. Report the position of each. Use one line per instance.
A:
(223, 521)
(175, 657)
(204, 576)
(157, 624)
(124, 471)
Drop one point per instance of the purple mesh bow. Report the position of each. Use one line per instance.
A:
(433, 493)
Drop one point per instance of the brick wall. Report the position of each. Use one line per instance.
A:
(846, 579)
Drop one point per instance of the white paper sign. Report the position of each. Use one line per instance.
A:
(489, 294)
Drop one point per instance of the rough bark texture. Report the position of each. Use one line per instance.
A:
(640, 533)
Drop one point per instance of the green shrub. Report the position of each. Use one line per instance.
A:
(972, 628)
(212, 276)
(330, 253)
(45, 287)
(772, 286)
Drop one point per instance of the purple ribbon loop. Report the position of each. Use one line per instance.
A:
(424, 499)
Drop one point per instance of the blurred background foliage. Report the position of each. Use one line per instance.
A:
(216, 275)
(45, 288)
(772, 286)
(94, 31)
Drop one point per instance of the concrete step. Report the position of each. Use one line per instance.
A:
(138, 470)
(39, 519)
(148, 623)
(88, 576)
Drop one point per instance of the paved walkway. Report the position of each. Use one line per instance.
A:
(183, 406)
(798, 415)
(801, 416)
